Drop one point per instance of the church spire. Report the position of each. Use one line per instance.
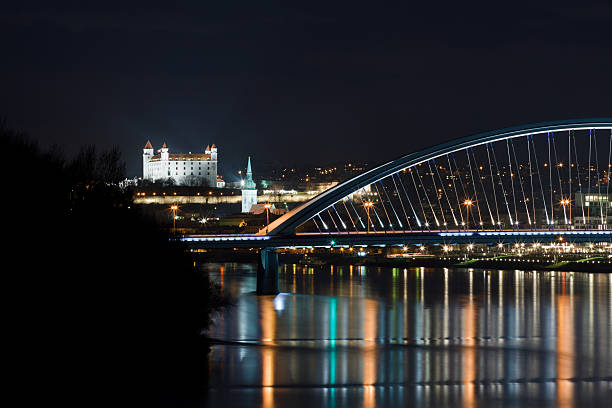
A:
(249, 184)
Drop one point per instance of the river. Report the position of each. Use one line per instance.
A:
(358, 336)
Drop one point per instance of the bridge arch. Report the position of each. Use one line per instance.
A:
(289, 222)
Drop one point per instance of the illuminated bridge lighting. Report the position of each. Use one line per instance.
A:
(515, 181)
(209, 238)
(529, 233)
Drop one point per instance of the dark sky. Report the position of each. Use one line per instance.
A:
(297, 84)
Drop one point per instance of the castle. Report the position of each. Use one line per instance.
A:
(183, 168)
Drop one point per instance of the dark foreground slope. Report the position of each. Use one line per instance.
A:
(102, 308)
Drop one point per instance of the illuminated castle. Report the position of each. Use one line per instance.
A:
(184, 168)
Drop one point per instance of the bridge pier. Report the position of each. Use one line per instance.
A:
(267, 272)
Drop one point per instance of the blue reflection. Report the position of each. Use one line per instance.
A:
(279, 301)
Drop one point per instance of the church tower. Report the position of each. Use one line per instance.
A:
(249, 191)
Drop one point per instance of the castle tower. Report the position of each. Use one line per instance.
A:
(165, 156)
(249, 191)
(213, 152)
(147, 153)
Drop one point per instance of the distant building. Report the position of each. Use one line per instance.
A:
(220, 182)
(592, 210)
(249, 191)
(184, 168)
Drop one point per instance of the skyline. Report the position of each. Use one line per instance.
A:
(283, 82)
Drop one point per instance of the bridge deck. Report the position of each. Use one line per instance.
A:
(392, 238)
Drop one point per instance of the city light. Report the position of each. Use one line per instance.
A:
(174, 208)
(368, 205)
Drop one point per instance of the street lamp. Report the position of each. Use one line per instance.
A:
(174, 208)
(468, 203)
(267, 206)
(367, 206)
(565, 202)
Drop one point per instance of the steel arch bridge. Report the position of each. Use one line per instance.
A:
(539, 179)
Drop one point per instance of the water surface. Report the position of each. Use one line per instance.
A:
(361, 336)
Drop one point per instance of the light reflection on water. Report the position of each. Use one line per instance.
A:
(357, 336)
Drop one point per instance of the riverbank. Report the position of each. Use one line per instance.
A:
(591, 264)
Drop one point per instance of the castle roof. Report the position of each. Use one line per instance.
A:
(148, 145)
(183, 157)
(164, 146)
(207, 148)
(213, 146)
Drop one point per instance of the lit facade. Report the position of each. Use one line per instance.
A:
(249, 191)
(183, 168)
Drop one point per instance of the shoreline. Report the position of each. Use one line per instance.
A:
(589, 266)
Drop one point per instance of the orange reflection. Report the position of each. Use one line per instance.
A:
(267, 397)
(268, 328)
(370, 329)
(369, 396)
(565, 350)
(469, 357)
(369, 335)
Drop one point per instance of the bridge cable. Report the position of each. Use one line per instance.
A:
(559, 175)
(569, 170)
(409, 201)
(464, 189)
(552, 205)
(467, 152)
(598, 177)
(315, 223)
(399, 196)
(419, 198)
(333, 221)
(376, 213)
(382, 201)
(433, 179)
(483, 190)
(445, 194)
(578, 174)
(368, 218)
(356, 212)
(520, 178)
(501, 182)
(349, 213)
(426, 196)
(322, 222)
(450, 169)
(589, 184)
(535, 157)
(535, 220)
(382, 185)
(417, 190)
(512, 183)
(493, 185)
(339, 217)
(608, 179)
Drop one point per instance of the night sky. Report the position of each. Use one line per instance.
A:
(290, 84)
